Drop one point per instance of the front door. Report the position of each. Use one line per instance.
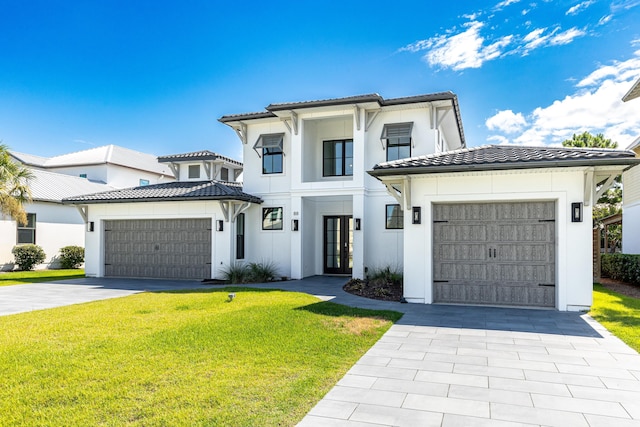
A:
(338, 244)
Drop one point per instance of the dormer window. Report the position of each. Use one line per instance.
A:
(271, 152)
(397, 137)
(194, 171)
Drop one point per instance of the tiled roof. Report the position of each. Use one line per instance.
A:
(493, 157)
(53, 187)
(113, 154)
(29, 159)
(633, 93)
(171, 191)
(372, 97)
(197, 155)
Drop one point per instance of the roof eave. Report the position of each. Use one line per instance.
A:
(428, 170)
(160, 199)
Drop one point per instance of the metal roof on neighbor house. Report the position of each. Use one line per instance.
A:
(197, 155)
(53, 187)
(112, 154)
(372, 97)
(171, 191)
(501, 157)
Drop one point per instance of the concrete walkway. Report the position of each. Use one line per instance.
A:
(441, 365)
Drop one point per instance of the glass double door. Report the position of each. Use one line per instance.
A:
(338, 244)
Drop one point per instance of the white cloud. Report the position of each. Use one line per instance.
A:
(504, 4)
(506, 121)
(499, 139)
(579, 7)
(595, 106)
(605, 19)
(566, 37)
(462, 50)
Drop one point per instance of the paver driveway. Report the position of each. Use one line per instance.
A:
(442, 365)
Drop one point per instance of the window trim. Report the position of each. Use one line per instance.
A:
(391, 132)
(26, 227)
(273, 209)
(344, 157)
(387, 218)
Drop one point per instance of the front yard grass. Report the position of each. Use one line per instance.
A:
(618, 313)
(180, 358)
(36, 276)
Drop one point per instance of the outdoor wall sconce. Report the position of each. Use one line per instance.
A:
(356, 224)
(90, 226)
(416, 215)
(219, 225)
(294, 225)
(576, 212)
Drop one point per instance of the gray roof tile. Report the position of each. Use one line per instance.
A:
(197, 155)
(492, 157)
(171, 191)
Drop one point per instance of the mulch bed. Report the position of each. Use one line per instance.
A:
(621, 287)
(375, 289)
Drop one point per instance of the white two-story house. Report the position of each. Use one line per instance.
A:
(322, 213)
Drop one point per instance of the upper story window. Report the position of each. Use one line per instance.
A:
(224, 174)
(27, 232)
(272, 218)
(398, 139)
(394, 217)
(337, 158)
(272, 152)
(83, 175)
(194, 171)
(144, 182)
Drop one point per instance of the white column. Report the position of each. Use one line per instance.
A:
(358, 235)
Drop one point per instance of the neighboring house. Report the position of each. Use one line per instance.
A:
(631, 193)
(89, 171)
(173, 230)
(51, 224)
(516, 220)
(113, 165)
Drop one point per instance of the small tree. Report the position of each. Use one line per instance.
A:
(71, 256)
(28, 256)
(585, 139)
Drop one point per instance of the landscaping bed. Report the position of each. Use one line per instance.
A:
(381, 284)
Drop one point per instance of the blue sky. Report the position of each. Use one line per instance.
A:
(154, 76)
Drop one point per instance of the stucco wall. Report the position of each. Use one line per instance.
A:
(573, 243)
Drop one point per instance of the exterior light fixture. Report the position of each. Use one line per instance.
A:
(90, 226)
(294, 225)
(356, 224)
(219, 225)
(416, 215)
(576, 212)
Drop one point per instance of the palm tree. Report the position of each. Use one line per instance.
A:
(14, 187)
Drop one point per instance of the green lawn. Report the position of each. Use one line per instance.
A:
(22, 277)
(618, 313)
(180, 358)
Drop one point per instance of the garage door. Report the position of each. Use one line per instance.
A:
(494, 253)
(163, 248)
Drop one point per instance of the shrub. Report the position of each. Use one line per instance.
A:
(236, 273)
(386, 274)
(71, 256)
(623, 267)
(264, 271)
(28, 256)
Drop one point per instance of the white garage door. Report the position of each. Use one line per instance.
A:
(162, 248)
(494, 253)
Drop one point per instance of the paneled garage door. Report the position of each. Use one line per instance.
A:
(494, 253)
(162, 248)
